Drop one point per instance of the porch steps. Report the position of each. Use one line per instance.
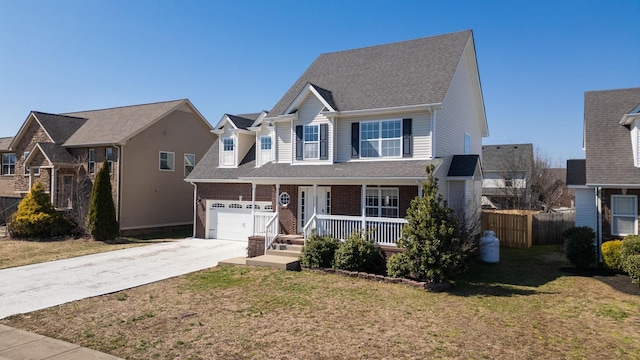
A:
(279, 256)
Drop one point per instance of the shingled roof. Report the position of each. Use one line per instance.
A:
(609, 155)
(413, 72)
(59, 127)
(507, 157)
(5, 142)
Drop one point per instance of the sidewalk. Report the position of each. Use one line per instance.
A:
(22, 345)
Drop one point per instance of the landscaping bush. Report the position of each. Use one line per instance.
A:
(579, 247)
(101, 220)
(399, 265)
(358, 253)
(611, 254)
(632, 265)
(431, 237)
(630, 247)
(319, 251)
(37, 218)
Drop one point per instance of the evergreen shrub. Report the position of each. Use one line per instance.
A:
(37, 218)
(358, 253)
(611, 254)
(579, 248)
(319, 251)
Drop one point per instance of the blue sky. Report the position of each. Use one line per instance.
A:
(536, 58)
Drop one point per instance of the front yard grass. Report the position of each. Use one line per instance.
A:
(523, 307)
(24, 252)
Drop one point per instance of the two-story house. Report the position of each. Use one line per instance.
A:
(607, 181)
(346, 147)
(149, 149)
(506, 169)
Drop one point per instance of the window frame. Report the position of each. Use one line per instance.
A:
(11, 167)
(108, 155)
(190, 166)
(91, 161)
(24, 163)
(228, 150)
(379, 205)
(171, 158)
(306, 142)
(380, 140)
(467, 143)
(614, 230)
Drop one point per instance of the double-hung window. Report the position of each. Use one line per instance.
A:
(109, 157)
(91, 163)
(382, 202)
(381, 139)
(311, 142)
(228, 154)
(167, 161)
(265, 149)
(24, 163)
(624, 215)
(189, 163)
(8, 164)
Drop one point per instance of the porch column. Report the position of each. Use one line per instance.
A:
(278, 208)
(253, 208)
(315, 199)
(363, 206)
(52, 185)
(419, 189)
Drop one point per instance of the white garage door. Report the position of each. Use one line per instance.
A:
(230, 220)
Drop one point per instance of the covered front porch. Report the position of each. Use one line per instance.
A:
(336, 209)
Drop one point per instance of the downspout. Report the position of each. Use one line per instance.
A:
(599, 222)
(195, 207)
(433, 134)
(119, 178)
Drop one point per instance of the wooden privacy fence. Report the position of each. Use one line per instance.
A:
(523, 228)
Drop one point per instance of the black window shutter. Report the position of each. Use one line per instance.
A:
(407, 138)
(299, 150)
(355, 140)
(324, 132)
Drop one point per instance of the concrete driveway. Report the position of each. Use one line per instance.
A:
(33, 287)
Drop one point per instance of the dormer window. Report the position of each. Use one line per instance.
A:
(228, 154)
(265, 149)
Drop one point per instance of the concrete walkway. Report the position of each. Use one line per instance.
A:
(34, 287)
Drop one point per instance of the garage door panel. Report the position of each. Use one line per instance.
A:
(230, 220)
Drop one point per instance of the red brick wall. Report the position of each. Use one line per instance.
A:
(345, 200)
(289, 214)
(606, 210)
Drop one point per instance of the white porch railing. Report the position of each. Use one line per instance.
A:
(271, 230)
(383, 231)
(261, 220)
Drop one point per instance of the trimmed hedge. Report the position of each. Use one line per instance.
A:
(359, 254)
(611, 254)
(579, 247)
(629, 252)
(319, 251)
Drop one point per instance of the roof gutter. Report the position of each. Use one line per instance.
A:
(614, 186)
(383, 111)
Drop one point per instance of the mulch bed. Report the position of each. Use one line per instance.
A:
(618, 281)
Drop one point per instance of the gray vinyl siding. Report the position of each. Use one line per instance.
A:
(309, 114)
(457, 195)
(421, 130)
(283, 142)
(460, 113)
(585, 207)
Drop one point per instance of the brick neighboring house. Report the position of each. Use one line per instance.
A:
(607, 181)
(506, 171)
(150, 148)
(346, 147)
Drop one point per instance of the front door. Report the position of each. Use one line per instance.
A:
(306, 203)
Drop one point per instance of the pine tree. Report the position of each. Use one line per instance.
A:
(36, 216)
(101, 220)
(431, 240)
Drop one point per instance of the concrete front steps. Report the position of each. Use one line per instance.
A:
(279, 256)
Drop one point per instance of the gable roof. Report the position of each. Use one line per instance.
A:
(207, 167)
(463, 165)
(507, 157)
(609, 154)
(116, 125)
(59, 127)
(54, 153)
(414, 72)
(241, 122)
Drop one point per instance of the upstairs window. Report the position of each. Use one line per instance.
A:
(228, 154)
(91, 162)
(624, 215)
(189, 163)
(109, 157)
(467, 144)
(24, 161)
(265, 149)
(167, 161)
(381, 139)
(311, 142)
(8, 164)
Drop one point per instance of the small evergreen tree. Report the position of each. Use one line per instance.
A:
(36, 217)
(431, 238)
(101, 220)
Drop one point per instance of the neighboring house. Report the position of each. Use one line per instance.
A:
(8, 198)
(149, 148)
(346, 147)
(560, 196)
(607, 182)
(506, 170)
